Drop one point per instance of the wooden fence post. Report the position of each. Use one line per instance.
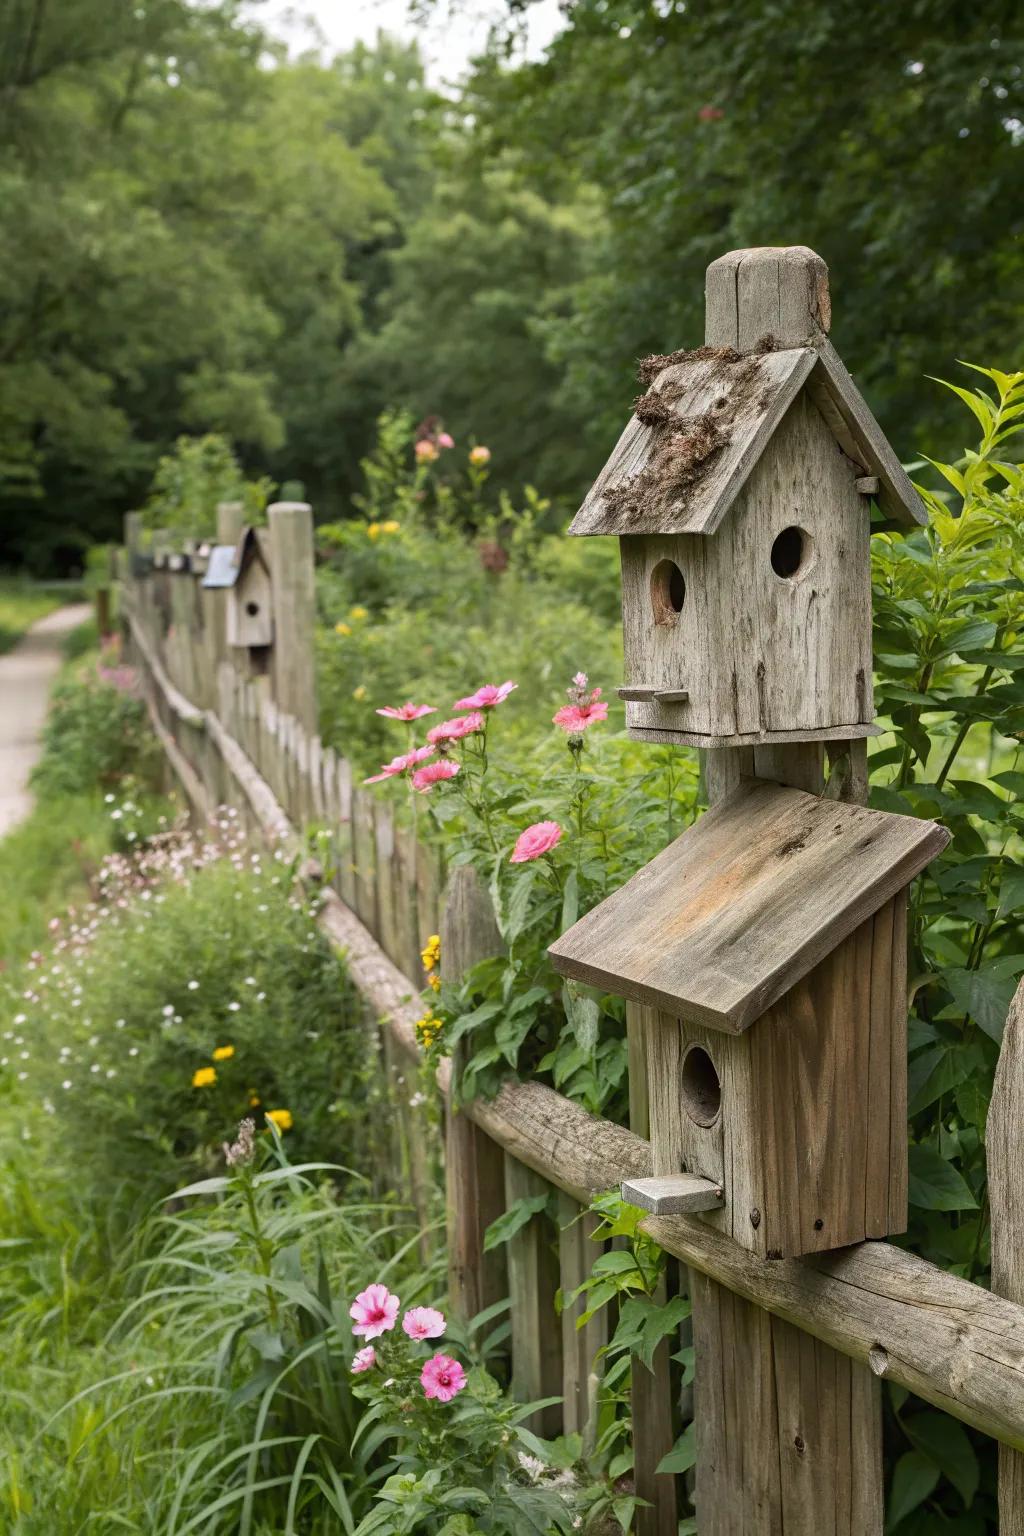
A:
(474, 1167)
(1004, 1141)
(294, 593)
(230, 520)
(789, 1432)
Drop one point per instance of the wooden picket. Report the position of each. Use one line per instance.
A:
(781, 1344)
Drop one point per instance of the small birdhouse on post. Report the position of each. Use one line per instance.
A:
(250, 604)
(739, 492)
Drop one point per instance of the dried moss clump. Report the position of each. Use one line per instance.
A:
(681, 456)
(648, 368)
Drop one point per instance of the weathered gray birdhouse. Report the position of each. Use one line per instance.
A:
(740, 493)
(250, 602)
(768, 944)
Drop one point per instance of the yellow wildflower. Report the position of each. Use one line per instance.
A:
(373, 531)
(390, 526)
(204, 1077)
(431, 952)
(255, 1101)
(358, 612)
(434, 980)
(223, 1053)
(359, 694)
(343, 629)
(427, 1030)
(282, 1118)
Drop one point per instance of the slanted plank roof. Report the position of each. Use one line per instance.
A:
(685, 456)
(746, 902)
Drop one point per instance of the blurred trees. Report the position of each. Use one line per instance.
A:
(197, 235)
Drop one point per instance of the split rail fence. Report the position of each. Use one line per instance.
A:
(823, 1332)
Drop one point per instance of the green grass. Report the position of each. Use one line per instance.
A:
(20, 606)
(46, 864)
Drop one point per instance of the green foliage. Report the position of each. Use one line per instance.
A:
(20, 606)
(47, 861)
(189, 483)
(97, 733)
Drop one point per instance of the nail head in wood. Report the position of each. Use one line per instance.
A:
(674, 1194)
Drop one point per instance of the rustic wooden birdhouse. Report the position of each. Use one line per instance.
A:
(740, 493)
(768, 941)
(250, 603)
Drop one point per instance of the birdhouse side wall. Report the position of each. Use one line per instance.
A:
(810, 1140)
(663, 647)
(761, 651)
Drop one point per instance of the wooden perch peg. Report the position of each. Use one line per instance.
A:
(676, 1194)
(644, 693)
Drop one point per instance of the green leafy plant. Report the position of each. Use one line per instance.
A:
(189, 482)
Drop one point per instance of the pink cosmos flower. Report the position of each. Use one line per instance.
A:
(364, 1360)
(401, 764)
(454, 730)
(487, 696)
(375, 1311)
(442, 1377)
(407, 711)
(425, 778)
(536, 840)
(424, 1323)
(575, 718)
(445, 440)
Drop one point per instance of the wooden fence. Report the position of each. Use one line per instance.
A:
(791, 1352)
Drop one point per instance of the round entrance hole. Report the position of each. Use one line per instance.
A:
(668, 592)
(791, 552)
(252, 609)
(702, 1088)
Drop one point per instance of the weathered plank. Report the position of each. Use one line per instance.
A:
(581, 1374)
(727, 918)
(532, 1286)
(291, 574)
(673, 1194)
(1005, 1147)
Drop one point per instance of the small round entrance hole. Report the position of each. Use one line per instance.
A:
(790, 552)
(702, 1089)
(252, 609)
(668, 592)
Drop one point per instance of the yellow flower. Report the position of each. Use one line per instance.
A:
(204, 1077)
(223, 1053)
(282, 1118)
(358, 612)
(342, 629)
(373, 530)
(390, 526)
(359, 694)
(434, 981)
(431, 952)
(254, 1101)
(427, 1030)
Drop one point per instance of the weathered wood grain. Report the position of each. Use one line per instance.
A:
(673, 1194)
(291, 574)
(1004, 1142)
(741, 906)
(581, 1370)
(533, 1282)
(474, 1163)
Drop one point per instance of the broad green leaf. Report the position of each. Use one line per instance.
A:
(983, 997)
(513, 1220)
(683, 1454)
(945, 1441)
(935, 1185)
(913, 1479)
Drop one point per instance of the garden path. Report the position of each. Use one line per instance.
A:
(26, 674)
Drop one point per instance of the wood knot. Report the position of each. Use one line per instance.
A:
(878, 1360)
(755, 1217)
(800, 1445)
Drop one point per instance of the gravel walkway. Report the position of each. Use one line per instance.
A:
(26, 676)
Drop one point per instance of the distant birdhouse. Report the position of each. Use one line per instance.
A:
(740, 493)
(250, 605)
(768, 945)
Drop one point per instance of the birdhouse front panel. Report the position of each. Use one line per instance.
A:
(768, 1115)
(765, 625)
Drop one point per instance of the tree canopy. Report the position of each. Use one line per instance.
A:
(201, 235)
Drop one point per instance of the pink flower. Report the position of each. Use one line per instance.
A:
(576, 717)
(365, 1359)
(401, 764)
(486, 697)
(423, 1323)
(442, 1377)
(375, 1311)
(425, 778)
(480, 455)
(536, 840)
(426, 451)
(580, 680)
(407, 711)
(710, 114)
(454, 730)
(445, 440)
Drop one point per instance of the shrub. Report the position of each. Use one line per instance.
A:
(196, 989)
(97, 732)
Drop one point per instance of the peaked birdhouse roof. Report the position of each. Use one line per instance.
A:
(696, 435)
(746, 902)
(249, 549)
(221, 570)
